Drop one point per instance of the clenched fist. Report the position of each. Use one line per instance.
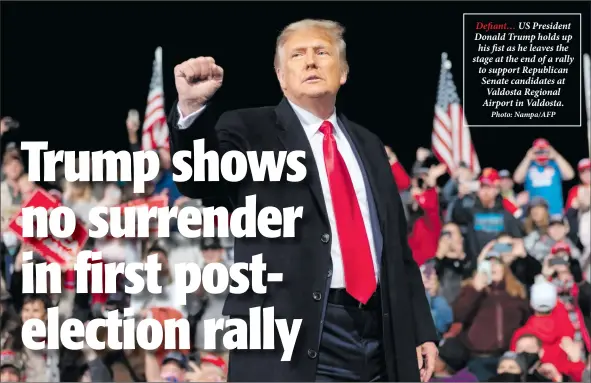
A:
(196, 82)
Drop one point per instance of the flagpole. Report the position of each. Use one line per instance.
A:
(159, 57)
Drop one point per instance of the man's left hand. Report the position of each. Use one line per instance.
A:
(426, 355)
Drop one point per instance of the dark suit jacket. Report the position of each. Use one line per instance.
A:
(305, 261)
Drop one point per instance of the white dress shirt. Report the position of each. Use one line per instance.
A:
(311, 125)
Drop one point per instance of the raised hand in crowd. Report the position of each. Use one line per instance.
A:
(517, 251)
(583, 199)
(434, 173)
(522, 198)
(7, 123)
(133, 126)
(486, 249)
(423, 154)
(392, 159)
(3, 127)
(551, 372)
(18, 261)
(572, 349)
(466, 188)
(547, 269)
(195, 373)
(480, 281)
(443, 246)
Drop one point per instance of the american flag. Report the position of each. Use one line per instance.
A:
(155, 129)
(451, 140)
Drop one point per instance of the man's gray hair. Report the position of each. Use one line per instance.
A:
(333, 28)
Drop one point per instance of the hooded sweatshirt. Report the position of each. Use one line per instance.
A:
(550, 329)
(484, 224)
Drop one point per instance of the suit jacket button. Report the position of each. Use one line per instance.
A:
(312, 354)
(329, 273)
(325, 238)
(317, 296)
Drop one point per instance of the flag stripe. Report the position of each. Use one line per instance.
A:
(451, 140)
(155, 132)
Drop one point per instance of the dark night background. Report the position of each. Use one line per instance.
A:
(70, 71)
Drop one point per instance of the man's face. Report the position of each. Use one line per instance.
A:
(310, 66)
(557, 231)
(487, 193)
(172, 372)
(528, 345)
(585, 176)
(508, 366)
(33, 310)
(12, 168)
(9, 374)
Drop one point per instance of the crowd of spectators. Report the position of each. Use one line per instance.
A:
(505, 259)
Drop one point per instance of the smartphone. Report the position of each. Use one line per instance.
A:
(502, 248)
(555, 261)
(485, 268)
(134, 116)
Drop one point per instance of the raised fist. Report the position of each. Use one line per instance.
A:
(196, 82)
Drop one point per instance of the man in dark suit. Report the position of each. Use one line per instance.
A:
(349, 273)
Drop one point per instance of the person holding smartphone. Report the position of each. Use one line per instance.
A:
(574, 293)
(542, 172)
(484, 214)
(491, 306)
(440, 309)
(452, 263)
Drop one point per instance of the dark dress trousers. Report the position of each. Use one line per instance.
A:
(305, 261)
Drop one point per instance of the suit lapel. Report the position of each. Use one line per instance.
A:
(362, 149)
(292, 136)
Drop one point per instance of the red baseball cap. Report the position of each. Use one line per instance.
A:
(560, 247)
(489, 177)
(216, 361)
(584, 164)
(541, 143)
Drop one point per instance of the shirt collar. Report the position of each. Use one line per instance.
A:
(310, 122)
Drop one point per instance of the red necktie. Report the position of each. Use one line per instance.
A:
(360, 278)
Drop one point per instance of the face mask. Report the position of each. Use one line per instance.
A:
(506, 377)
(530, 358)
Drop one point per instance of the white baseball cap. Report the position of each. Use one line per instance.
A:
(543, 295)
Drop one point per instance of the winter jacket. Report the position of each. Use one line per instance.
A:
(550, 329)
(424, 237)
(489, 318)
